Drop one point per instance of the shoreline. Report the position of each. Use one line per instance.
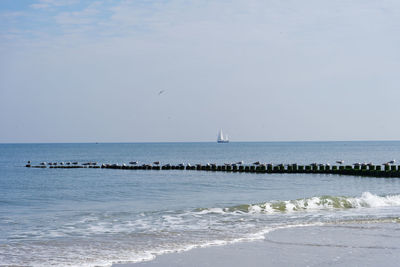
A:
(354, 244)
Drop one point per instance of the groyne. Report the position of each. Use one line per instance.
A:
(368, 170)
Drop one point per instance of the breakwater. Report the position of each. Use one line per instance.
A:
(368, 170)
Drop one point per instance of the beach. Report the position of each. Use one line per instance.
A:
(344, 244)
(102, 217)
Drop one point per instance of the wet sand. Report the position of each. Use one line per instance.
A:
(361, 244)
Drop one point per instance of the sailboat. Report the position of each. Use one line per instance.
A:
(221, 138)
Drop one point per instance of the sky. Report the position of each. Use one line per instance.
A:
(261, 70)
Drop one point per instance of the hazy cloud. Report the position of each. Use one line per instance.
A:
(52, 3)
(80, 18)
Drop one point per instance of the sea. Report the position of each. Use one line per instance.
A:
(99, 217)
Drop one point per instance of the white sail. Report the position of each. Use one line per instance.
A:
(221, 138)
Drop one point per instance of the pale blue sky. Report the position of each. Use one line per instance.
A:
(262, 70)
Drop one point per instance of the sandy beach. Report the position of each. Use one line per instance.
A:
(361, 244)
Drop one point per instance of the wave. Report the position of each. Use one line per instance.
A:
(366, 200)
(101, 240)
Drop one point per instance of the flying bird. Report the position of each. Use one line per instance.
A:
(162, 91)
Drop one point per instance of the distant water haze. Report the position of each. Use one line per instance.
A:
(83, 71)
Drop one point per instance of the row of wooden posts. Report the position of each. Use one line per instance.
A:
(357, 170)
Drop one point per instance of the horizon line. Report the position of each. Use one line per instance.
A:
(177, 142)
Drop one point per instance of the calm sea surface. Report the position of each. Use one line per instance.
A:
(96, 217)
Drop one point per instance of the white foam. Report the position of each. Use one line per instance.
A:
(212, 210)
(367, 200)
(226, 226)
(260, 235)
(373, 201)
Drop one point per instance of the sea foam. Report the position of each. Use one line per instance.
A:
(366, 200)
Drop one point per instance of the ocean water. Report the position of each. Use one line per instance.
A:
(97, 217)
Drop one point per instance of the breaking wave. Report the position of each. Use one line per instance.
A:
(367, 200)
(98, 239)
